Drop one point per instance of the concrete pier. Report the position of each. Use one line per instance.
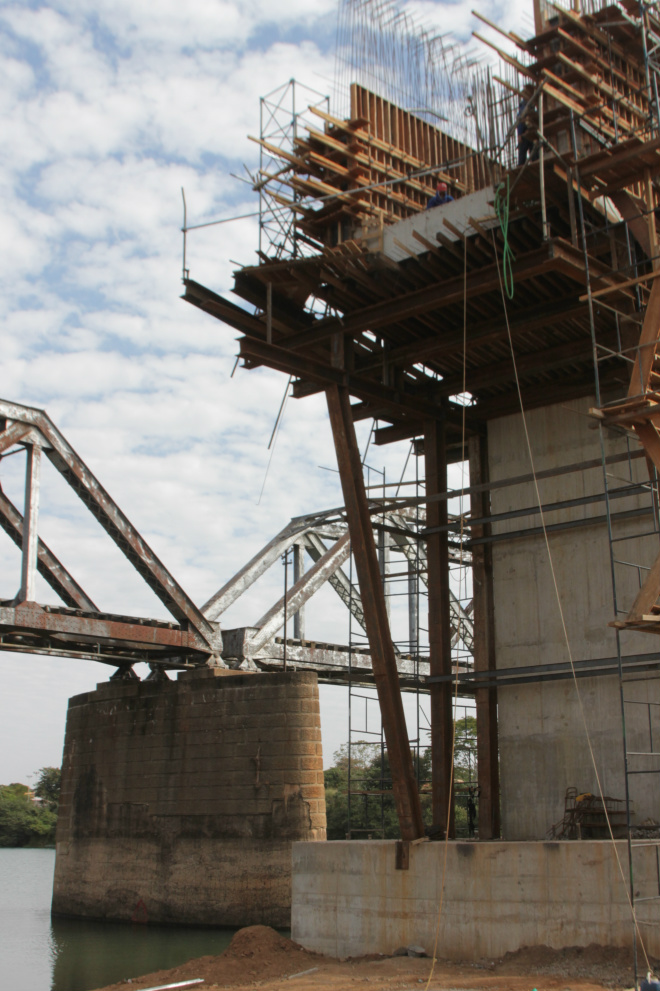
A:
(349, 898)
(542, 735)
(180, 800)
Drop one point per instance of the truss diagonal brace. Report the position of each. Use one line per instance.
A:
(299, 593)
(339, 581)
(254, 569)
(110, 516)
(57, 576)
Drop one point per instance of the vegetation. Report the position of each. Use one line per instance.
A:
(372, 812)
(28, 818)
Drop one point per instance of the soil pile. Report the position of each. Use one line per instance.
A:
(256, 953)
(609, 966)
(261, 957)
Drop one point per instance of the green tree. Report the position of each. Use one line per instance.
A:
(24, 822)
(47, 787)
(372, 809)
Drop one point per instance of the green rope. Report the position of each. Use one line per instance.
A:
(502, 211)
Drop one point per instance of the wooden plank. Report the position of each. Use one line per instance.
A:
(383, 658)
(522, 69)
(620, 285)
(647, 595)
(434, 297)
(372, 140)
(397, 400)
(591, 55)
(588, 28)
(599, 83)
(615, 157)
(515, 38)
(648, 340)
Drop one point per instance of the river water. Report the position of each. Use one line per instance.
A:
(38, 953)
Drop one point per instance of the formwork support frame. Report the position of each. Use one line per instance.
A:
(404, 785)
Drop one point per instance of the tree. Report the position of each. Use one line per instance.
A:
(47, 787)
(372, 809)
(24, 822)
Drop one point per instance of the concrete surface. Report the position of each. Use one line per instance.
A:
(398, 242)
(348, 898)
(543, 744)
(180, 800)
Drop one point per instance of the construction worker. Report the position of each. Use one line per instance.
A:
(441, 196)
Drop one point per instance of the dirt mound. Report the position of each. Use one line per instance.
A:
(260, 952)
(256, 953)
(608, 965)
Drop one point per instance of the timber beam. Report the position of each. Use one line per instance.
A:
(398, 400)
(404, 785)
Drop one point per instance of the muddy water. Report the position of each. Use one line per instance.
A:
(38, 953)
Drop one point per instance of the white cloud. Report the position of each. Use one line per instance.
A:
(107, 111)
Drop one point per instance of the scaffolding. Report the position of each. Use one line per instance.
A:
(556, 194)
(283, 115)
(404, 574)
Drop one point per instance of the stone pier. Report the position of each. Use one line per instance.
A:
(181, 799)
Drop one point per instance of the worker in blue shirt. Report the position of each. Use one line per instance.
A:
(441, 196)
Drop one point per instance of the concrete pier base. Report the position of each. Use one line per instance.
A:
(180, 800)
(349, 899)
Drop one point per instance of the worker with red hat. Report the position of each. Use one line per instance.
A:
(441, 196)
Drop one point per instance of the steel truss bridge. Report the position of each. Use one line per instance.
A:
(193, 637)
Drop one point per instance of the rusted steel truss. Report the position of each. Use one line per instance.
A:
(81, 630)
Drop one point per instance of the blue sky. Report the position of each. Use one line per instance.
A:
(108, 110)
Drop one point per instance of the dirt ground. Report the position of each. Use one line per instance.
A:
(260, 957)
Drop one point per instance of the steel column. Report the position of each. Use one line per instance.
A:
(384, 563)
(298, 572)
(413, 607)
(28, 591)
(437, 551)
(484, 648)
(383, 658)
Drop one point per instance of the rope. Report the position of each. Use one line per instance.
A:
(502, 212)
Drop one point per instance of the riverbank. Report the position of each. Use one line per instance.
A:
(259, 956)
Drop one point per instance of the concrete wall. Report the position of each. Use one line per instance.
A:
(543, 744)
(348, 899)
(180, 800)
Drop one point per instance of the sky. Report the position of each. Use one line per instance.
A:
(108, 109)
